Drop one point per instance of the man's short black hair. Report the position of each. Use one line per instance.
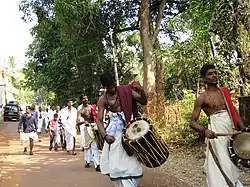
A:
(68, 100)
(107, 79)
(55, 115)
(205, 68)
(82, 96)
(29, 107)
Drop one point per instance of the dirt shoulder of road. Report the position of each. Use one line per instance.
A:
(186, 164)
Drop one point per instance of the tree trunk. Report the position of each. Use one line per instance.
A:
(149, 65)
(146, 40)
(159, 86)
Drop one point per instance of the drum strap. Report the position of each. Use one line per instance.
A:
(228, 181)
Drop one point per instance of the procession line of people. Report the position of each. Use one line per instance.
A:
(61, 127)
(126, 170)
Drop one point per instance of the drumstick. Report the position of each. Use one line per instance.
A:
(228, 134)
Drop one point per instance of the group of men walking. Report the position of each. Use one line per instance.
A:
(123, 169)
(62, 126)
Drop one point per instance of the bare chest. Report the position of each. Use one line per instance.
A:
(113, 103)
(213, 102)
(86, 112)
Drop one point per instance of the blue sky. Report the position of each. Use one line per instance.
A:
(14, 33)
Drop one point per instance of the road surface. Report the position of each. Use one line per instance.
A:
(56, 169)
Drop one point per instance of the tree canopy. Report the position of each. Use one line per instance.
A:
(75, 41)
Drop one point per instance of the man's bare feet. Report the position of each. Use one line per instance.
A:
(71, 152)
(31, 153)
(25, 150)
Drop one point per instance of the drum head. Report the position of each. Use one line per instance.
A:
(137, 129)
(241, 145)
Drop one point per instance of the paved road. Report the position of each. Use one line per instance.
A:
(56, 169)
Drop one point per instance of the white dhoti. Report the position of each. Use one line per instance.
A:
(92, 154)
(82, 136)
(125, 171)
(25, 138)
(46, 121)
(220, 122)
(69, 138)
(39, 125)
(68, 119)
(91, 151)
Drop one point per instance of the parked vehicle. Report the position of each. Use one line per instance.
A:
(11, 112)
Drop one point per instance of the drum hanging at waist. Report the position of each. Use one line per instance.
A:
(239, 149)
(145, 142)
(98, 138)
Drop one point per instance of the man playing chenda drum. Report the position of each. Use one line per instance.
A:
(122, 169)
(216, 103)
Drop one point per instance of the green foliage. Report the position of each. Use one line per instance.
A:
(25, 94)
(72, 47)
(188, 105)
(67, 53)
(207, 32)
(181, 133)
(183, 61)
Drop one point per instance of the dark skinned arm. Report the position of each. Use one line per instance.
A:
(79, 122)
(138, 93)
(35, 124)
(20, 124)
(241, 124)
(194, 118)
(100, 125)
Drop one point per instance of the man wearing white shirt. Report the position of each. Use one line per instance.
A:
(41, 117)
(47, 119)
(69, 117)
(51, 113)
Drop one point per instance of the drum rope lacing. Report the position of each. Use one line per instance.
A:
(149, 155)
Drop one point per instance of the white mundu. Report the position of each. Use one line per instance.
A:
(125, 171)
(81, 128)
(69, 122)
(90, 145)
(220, 122)
(25, 138)
(41, 117)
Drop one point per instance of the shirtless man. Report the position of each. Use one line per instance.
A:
(212, 102)
(85, 118)
(122, 169)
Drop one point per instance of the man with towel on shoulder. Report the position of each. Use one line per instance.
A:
(86, 118)
(217, 104)
(125, 170)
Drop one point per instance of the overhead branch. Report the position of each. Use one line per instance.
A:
(132, 28)
(159, 19)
